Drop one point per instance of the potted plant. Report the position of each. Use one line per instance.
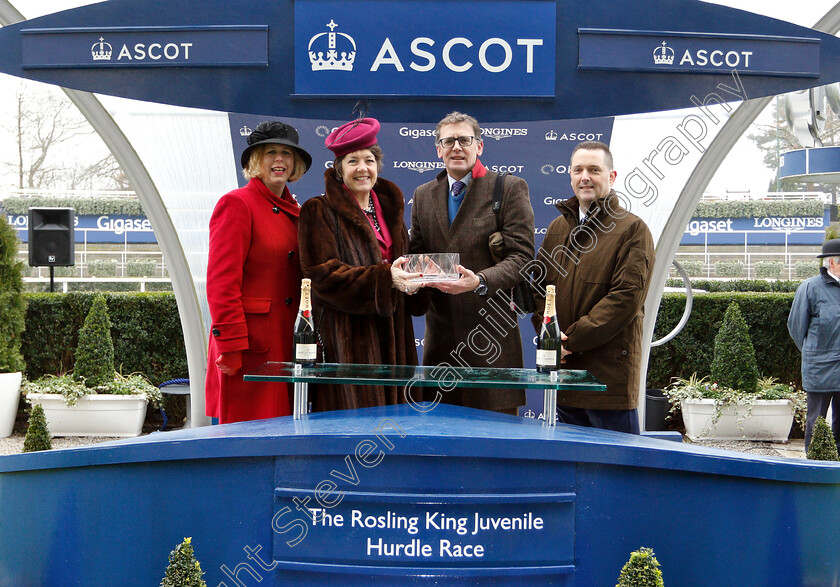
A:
(642, 570)
(37, 432)
(736, 404)
(822, 446)
(95, 400)
(183, 569)
(12, 321)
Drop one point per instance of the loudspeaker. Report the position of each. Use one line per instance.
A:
(52, 237)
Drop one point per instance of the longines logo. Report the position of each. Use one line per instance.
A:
(332, 51)
(503, 133)
(419, 166)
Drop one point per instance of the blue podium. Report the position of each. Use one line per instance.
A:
(395, 496)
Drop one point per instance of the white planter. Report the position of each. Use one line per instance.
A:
(93, 415)
(769, 420)
(9, 399)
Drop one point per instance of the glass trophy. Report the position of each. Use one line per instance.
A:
(434, 266)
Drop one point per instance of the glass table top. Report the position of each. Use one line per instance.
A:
(430, 376)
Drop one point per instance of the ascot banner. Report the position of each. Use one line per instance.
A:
(514, 60)
(431, 58)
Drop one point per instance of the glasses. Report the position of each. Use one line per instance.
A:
(449, 142)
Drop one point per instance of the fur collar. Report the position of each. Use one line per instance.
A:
(390, 199)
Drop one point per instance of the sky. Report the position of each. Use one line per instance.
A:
(742, 170)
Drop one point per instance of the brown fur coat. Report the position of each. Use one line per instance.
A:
(360, 317)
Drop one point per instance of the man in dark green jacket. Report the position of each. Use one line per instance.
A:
(600, 257)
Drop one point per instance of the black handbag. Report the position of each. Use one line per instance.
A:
(521, 295)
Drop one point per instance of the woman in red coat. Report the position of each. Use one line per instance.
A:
(253, 277)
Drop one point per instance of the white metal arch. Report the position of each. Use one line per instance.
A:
(697, 182)
(103, 123)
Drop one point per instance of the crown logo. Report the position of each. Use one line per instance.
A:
(551, 136)
(101, 51)
(338, 53)
(663, 55)
(245, 131)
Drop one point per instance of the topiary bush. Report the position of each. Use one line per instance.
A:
(12, 300)
(95, 351)
(729, 268)
(822, 446)
(145, 331)
(733, 363)
(642, 570)
(183, 569)
(693, 268)
(769, 269)
(37, 433)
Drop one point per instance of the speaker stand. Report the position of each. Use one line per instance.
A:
(52, 278)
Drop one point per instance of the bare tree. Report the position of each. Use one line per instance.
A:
(103, 174)
(44, 121)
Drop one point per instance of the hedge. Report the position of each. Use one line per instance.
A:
(147, 334)
(102, 267)
(759, 209)
(693, 268)
(754, 285)
(769, 269)
(145, 328)
(806, 269)
(141, 268)
(692, 349)
(83, 206)
(729, 268)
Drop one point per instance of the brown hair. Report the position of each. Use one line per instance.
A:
(375, 150)
(456, 118)
(596, 146)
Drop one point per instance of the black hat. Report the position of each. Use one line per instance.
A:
(831, 248)
(278, 133)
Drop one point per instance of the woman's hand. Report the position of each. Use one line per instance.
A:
(402, 280)
(230, 363)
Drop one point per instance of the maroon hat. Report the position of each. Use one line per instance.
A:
(355, 135)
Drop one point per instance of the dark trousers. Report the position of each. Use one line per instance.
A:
(818, 406)
(618, 420)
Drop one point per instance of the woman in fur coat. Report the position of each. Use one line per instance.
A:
(351, 244)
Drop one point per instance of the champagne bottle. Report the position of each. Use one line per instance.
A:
(306, 349)
(548, 343)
